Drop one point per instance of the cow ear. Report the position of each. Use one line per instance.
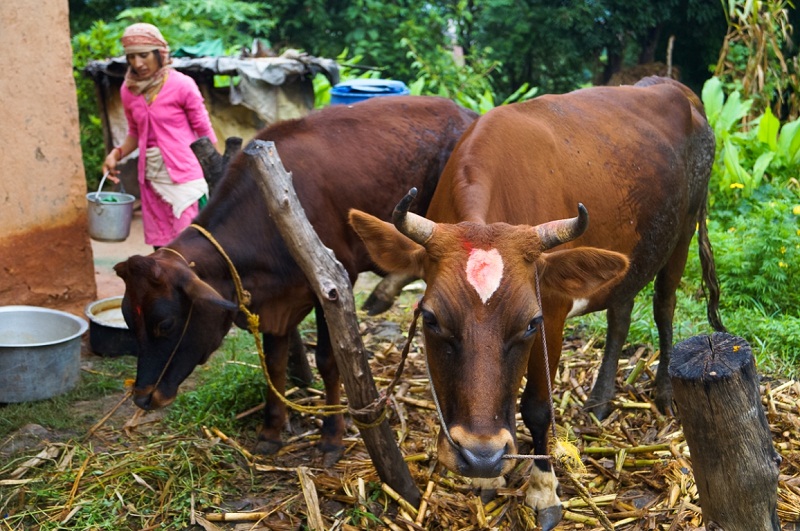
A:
(122, 270)
(138, 266)
(197, 290)
(578, 273)
(390, 250)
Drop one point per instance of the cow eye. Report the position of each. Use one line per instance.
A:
(533, 326)
(165, 327)
(430, 321)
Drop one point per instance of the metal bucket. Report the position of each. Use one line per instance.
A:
(40, 352)
(110, 214)
(109, 335)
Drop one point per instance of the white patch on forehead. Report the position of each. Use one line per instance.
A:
(484, 272)
(578, 306)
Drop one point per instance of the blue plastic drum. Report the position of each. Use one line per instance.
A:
(356, 90)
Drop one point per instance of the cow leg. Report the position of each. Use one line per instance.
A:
(299, 368)
(332, 425)
(665, 286)
(384, 294)
(619, 321)
(542, 493)
(487, 487)
(276, 352)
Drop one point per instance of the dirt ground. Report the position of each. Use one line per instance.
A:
(108, 254)
(637, 489)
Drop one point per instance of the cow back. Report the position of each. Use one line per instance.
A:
(351, 156)
(638, 157)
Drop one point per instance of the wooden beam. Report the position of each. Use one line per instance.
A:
(332, 286)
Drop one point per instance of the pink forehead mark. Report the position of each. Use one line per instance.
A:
(484, 272)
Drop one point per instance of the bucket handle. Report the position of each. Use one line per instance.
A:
(102, 181)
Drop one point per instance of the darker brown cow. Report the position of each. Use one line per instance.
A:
(639, 158)
(179, 300)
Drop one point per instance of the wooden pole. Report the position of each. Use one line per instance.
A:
(332, 286)
(734, 462)
(214, 166)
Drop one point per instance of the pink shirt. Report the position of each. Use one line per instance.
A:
(175, 119)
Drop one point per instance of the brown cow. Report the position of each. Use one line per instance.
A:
(639, 158)
(179, 300)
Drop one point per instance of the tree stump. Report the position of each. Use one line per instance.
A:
(734, 461)
(332, 286)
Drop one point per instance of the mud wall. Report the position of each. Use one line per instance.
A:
(45, 252)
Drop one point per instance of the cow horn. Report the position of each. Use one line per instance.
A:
(555, 233)
(416, 228)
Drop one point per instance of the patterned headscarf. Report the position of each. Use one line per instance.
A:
(139, 38)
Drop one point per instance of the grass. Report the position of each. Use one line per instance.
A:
(106, 377)
(158, 480)
(230, 382)
(771, 337)
(148, 480)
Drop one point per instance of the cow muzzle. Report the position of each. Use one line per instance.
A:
(477, 456)
(150, 398)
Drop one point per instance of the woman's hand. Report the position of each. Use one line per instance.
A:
(110, 165)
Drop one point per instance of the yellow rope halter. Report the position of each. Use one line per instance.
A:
(253, 325)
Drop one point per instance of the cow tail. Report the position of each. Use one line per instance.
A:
(710, 282)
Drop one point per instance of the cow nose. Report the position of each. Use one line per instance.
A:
(482, 457)
(143, 400)
(482, 461)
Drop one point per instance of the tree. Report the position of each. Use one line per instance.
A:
(559, 45)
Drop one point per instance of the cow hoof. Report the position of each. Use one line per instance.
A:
(375, 305)
(267, 447)
(331, 455)
(664, 405)
(486, 488)
(549, 517)
(601, 409)
(487, 495)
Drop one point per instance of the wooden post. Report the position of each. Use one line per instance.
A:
(332, 286)
(734, 462)
(214, 166)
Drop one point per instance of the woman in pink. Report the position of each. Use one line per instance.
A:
(165, 114)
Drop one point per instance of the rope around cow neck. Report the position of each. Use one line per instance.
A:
(253, 324)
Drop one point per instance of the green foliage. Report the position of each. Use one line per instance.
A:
(187, 22)
(758, 253)
(754, 59)
(84, 13)
(748, 153)
(755, 224)
(100, 41)
(230, 382)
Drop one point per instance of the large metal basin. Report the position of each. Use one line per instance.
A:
(40, 352)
